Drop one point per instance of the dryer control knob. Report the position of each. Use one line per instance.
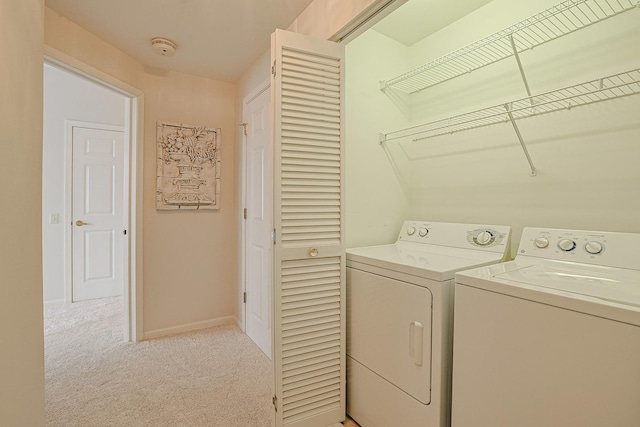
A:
(567, 245)
(484, 238)
(411, 231)
(423, 231)
(541, 242)
(593, 247)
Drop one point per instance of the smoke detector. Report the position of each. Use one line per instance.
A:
(162, 46)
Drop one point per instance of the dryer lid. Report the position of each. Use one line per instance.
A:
(437, 263)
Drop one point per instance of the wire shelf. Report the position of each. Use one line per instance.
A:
(603, 89)
(557, 21)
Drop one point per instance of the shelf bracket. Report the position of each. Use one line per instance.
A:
(517, 56)
(382, 138)
(534, 172)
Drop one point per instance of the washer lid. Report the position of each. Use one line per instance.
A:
(608, 292)
(614, 285)
(429, 261)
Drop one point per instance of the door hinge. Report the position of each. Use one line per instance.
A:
(244, 297)
(245, 127)
(274, 400)
(245, 213)
(273, 236)
(273, 68)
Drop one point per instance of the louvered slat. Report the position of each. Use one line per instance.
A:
(301, 324)
(312, 328)
(292, 320)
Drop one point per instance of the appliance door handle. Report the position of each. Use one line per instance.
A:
(415, 342)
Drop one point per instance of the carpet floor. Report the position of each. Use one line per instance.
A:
(212, 378)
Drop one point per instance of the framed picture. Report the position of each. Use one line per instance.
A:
(188, 166)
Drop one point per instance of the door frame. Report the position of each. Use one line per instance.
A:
(134, 142)
(262, 87)
(68, 198)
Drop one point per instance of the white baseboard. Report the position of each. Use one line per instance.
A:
(189, 327)
(54, 303)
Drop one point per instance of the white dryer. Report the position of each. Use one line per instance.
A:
(551, 338)
(399, 314)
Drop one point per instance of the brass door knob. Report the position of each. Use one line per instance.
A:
(80, 223)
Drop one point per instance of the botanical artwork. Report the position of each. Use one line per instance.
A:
(188, 167)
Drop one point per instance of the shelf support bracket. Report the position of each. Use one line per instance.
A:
(534, 172)
(517, 56)
(382, 138)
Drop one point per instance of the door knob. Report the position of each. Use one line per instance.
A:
(80, 223)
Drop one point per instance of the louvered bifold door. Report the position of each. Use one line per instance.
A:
(309, 274)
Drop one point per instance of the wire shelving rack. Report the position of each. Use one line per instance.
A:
(564, 18)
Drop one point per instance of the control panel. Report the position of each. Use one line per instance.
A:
(471, 236)
(589, 247)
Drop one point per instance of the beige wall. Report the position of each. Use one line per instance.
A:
(190, 258)
(21, 336)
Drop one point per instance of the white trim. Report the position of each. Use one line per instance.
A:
(134, 135)
(54, 303)
(262, 87)
(190, 327)
(68, 199)
(69, 63)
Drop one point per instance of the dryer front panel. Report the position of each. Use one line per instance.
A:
(389, 330)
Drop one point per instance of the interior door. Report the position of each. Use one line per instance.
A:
(97, 213)
(259, 222)
(309, 263)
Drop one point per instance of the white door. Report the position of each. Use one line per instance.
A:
(309, 262)
(97, 213)
(259, 222)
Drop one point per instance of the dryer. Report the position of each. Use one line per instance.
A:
(399, 319)
(551, 338)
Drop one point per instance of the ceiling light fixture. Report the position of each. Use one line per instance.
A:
(162, 46)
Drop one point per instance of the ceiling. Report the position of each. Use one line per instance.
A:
(417, 19)
(218, 39)
(221, 39)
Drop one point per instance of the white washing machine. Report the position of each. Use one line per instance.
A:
(399, 314)
(551, 338)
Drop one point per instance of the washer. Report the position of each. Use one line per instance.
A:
(551, 338)
(399, 314)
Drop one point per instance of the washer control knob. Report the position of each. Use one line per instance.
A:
(484, 237)
(567, 245)
(423, 231)
(411, 231)
(541, 242)
(593, 247)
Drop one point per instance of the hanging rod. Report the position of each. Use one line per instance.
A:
(557, 21)
(603, 89)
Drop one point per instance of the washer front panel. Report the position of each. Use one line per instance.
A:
(525, 364)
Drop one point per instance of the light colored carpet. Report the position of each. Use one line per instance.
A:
(215, 378)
